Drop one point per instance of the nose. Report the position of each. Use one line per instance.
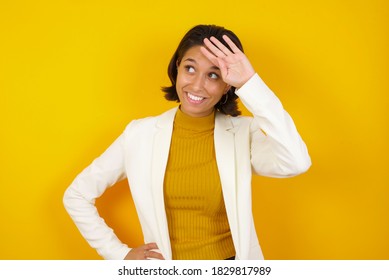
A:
(198, 82)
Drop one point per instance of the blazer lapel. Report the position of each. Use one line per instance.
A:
(225, 157)
(161, 148)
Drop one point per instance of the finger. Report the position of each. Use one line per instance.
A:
(223, 69)
(231, 44)
(153, 255)
(215, 60)
(136, 254)
(150, 246)
(221, 46)
(209, 55)
(217, 52)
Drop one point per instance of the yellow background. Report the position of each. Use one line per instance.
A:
(74, 73)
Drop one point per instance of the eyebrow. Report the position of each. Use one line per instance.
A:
(194, 61)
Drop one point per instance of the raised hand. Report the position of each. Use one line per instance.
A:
(144, 252)
(235, 67)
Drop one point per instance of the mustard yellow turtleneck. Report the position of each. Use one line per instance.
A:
(195, 209)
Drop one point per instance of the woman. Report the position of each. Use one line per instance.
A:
(189, 169)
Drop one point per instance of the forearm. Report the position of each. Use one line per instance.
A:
(277, 149)
(92, 227)
(79, 200)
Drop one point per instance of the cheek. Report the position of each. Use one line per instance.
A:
(178, 83)
(216, 90)
(181, 79)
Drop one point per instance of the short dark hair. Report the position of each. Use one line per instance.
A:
(195, 37)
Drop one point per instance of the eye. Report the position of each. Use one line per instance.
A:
(213, 76)
(189, 69)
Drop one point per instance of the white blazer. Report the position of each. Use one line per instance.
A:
(267, 144)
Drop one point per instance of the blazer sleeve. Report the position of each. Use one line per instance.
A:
(277, 149)
(79, 200)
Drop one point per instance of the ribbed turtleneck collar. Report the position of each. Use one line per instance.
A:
(194, 123)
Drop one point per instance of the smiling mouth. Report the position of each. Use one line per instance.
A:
(195, 98)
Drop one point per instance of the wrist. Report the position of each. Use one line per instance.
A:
(249, 77)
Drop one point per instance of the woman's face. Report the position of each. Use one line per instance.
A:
(199, 84)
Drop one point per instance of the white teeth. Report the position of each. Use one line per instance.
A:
(194, 97)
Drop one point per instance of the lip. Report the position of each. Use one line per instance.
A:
(193, 101)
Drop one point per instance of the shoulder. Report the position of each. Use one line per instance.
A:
(239, 120)
(151, 121)
(236, 121)
(225, 122)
